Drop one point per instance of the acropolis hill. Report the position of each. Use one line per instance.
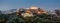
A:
(32, 10)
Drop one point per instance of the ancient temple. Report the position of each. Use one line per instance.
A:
(36, 10)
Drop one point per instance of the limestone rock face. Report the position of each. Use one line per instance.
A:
(27, 15)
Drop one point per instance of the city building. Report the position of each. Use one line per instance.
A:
(57, 12)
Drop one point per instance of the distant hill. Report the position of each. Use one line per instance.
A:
(13, 10)
(0, 12)
(9, 11)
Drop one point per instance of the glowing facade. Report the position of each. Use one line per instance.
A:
(29, 11)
